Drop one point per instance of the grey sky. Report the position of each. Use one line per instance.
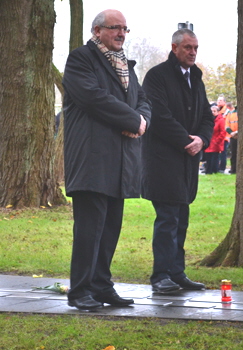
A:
(215, 24)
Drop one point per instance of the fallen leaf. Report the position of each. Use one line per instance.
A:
(9, 206)
(110, 347)
(37, 276)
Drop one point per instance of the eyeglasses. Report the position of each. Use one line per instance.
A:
(118, 28)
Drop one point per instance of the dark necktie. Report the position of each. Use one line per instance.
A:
(186, 76)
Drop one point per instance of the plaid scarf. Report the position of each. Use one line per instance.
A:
(117, 59)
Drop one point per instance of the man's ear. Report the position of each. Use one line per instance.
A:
(174, 48)
(97, 31)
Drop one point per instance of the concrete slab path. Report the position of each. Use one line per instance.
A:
(18, 294)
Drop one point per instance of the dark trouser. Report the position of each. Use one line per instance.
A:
(233, 150)
(223, 157)
(97, 225)
(170, 228)
(212, 162)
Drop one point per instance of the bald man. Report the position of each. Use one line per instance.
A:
(105, 115)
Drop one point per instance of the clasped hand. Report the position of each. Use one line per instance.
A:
(141, 130)
(195, 146)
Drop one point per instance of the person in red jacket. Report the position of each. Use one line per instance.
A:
(221, 103)
(216, 144)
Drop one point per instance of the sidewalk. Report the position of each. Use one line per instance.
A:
(17, 294)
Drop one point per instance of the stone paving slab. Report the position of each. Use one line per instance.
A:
(19, 294)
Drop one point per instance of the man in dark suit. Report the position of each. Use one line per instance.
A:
(105, 113)
(181, 126)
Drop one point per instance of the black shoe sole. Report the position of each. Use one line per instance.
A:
(84, 307)
(191, 288)
(165, 290)
(116, 303)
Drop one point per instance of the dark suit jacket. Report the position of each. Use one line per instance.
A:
(97, 109)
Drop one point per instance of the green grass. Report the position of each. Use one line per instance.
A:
(39, 241)
(35, 241)
(22, 332)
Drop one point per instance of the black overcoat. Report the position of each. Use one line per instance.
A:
(96, 110)
(170, 174)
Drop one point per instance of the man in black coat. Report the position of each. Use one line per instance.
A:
(181, 126)
(105, 113)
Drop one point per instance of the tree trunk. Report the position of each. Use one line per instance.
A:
(76, 40)
(76, 30)
(59, 157)
(230, 250)
(27, 176)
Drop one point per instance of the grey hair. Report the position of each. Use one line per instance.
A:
(222, 96)
(216, 107)
(177, 37)
(98, 21)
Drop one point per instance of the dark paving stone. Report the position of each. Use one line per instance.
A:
(149, 301)
(238, 317)
(57, 297)
(216, 315)
(3, 294)
(215, 296)
(168, 313)
(231, 306)
(193, 304)
(27, 282)
(28, 295)
(19, 294)
(157, 296)
(15, 290)
(28, 305)
(6, 302)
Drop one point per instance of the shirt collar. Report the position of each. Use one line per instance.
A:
(184, 70)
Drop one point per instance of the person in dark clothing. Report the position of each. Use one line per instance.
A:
(181, 126)
(105, 113)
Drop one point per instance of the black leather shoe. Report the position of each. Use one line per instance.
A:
(165, 285)
(113, 298)
(186, 283)
(84, 303)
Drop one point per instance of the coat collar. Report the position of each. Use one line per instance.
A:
(194, 70)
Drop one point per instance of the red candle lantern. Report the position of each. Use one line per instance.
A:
(226, 288)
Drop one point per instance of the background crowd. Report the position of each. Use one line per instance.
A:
(224, 140)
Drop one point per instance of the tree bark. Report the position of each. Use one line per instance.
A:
(230, 250)
(76, 40)
(76, 30)
(27, 174)
(59, 157)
